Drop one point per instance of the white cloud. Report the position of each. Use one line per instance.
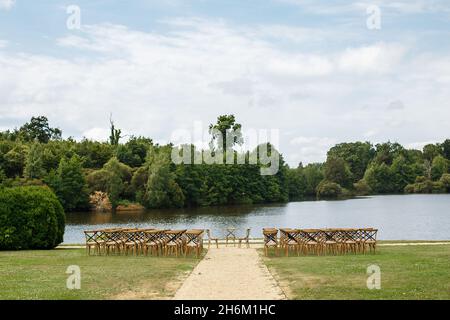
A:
(7, 4)
(98, 134)
(155, 83)
(377, 58)
(310, 149)
(339, 7)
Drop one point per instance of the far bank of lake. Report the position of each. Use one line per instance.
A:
(398, 217)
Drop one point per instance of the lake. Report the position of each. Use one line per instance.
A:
(398, 217)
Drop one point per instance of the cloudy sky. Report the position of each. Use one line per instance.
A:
(311, 69)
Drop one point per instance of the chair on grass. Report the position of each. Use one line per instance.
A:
(270, 240)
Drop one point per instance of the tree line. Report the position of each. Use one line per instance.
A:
(141, 171)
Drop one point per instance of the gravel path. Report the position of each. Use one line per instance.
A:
(230, 273)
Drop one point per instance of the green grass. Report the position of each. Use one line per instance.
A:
(41, 275)
(407, 272)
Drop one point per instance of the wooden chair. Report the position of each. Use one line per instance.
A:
(289, 240)
(270, 240)
(93, 241)
(230, 234)
(208, 233)
(369, 239)
(194, 242)
(174, 242)
(154, 242)
(328, 241)
(246, 239)
(132, 242)
(308, 241)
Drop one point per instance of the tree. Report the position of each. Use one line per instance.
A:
(402, 173)
(357, 155)
(115, 134)
(445, 180)
(431, 151)
(14, 161)
(336, 170)
(69, 184)
(161, 190)
(362, 188)
(94, 154)
(314, 175)
(386, 152)
(379, 178)
(39, 129)
(226, 128)
(297, 183)
(114, 182)
(328, 190)
(134, 152)
(446, 149)
(34, 168)
(438, 167)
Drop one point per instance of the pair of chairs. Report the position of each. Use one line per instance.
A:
(245, 239)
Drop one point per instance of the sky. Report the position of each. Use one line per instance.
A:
(317, 72)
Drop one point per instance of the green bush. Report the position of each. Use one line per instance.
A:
(362, 188)
(445, 180)
(30, 218)
(328, 190)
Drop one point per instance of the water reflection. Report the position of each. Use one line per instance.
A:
(408, 217)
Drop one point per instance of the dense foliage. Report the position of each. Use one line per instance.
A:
(30, 218)
(140, 171)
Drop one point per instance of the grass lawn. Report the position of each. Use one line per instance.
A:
(407, 272)
(41, 275)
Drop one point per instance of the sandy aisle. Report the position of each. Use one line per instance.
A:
(230, 274)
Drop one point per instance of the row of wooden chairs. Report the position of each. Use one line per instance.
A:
(125, 241)
(321, 241)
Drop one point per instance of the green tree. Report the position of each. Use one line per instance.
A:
(297, 183)
(314, 175)
(438, 167)
(134, 152)
(431, 151)
(402, 173)
(336, 170)
(39, 129)
(362, 188)
(446, 149)
(328, 190)
(386, 152)
(69, 184)
(161, 189)
(114, 181)
(225, 128)
(94, 154)
(34, 168)
(379, 177)
(445, 181)
(115, 136)
(14, 161)
(356, 154)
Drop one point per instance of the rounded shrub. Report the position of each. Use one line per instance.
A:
(328, 190)
(30, 218)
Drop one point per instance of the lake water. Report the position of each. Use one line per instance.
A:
(398, 217)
